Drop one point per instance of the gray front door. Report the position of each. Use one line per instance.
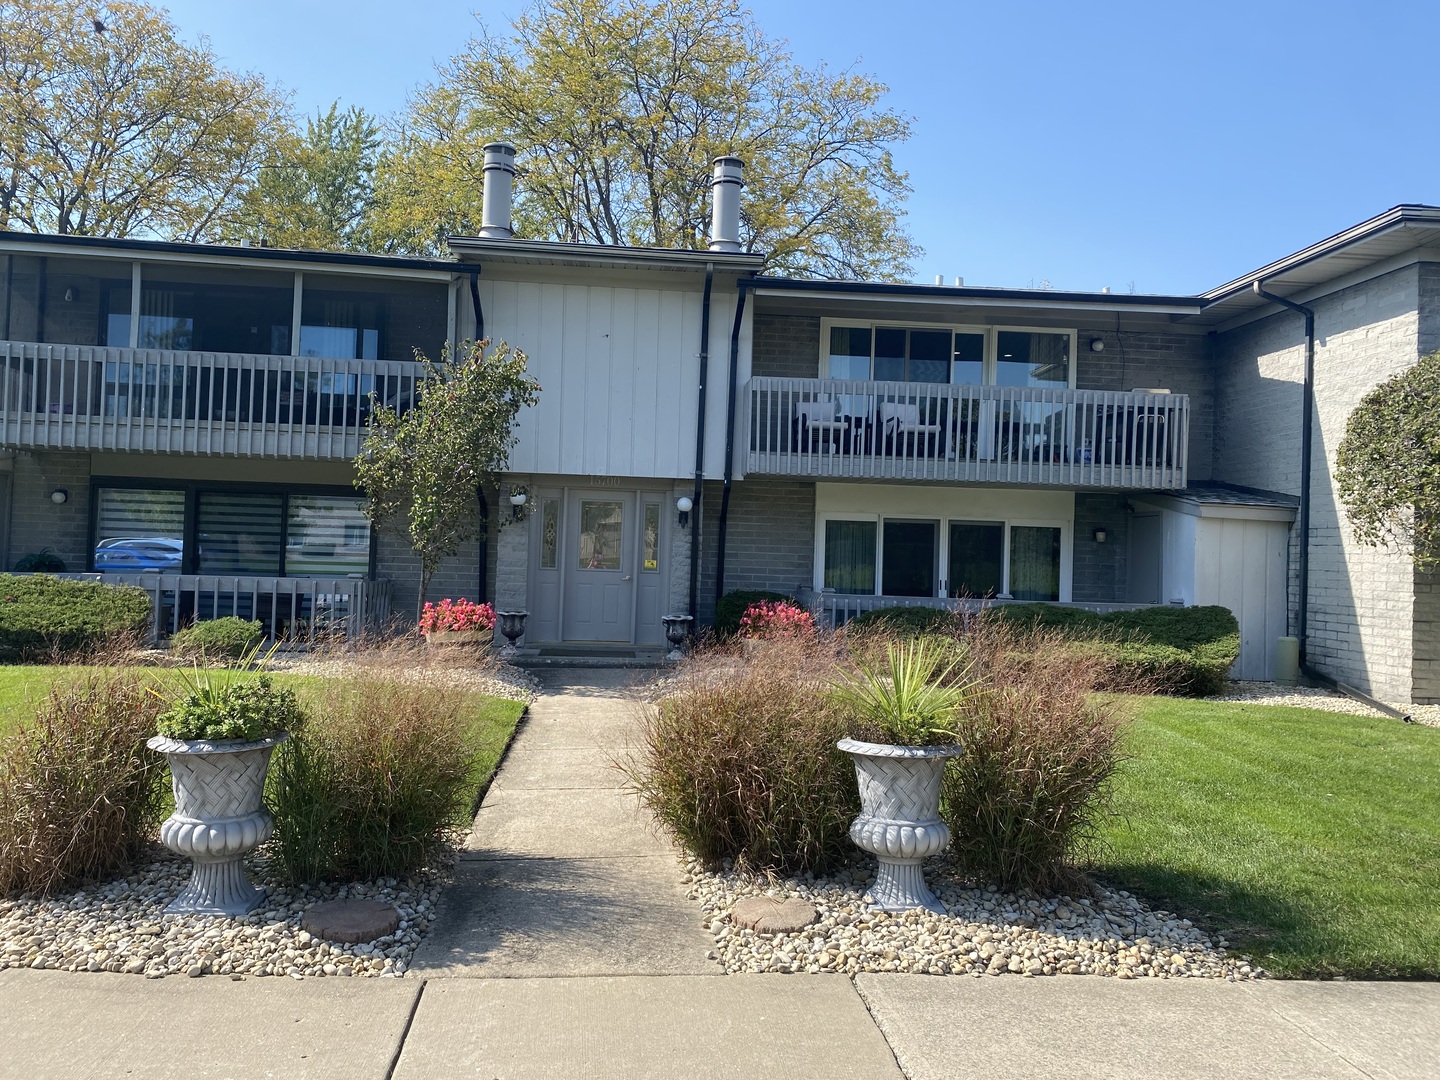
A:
(600, 540)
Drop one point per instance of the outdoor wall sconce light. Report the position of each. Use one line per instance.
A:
(517, 505)
(1097, 344)
(1100, 535)
(70, 296)
(684, 505)
(59, 496)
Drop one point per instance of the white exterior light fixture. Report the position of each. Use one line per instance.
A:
(684, 505)
(517, 505)
(59, 496)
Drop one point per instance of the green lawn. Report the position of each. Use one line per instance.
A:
(1310, 839)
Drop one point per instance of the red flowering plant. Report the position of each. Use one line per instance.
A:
(776, 618)
(456, 615)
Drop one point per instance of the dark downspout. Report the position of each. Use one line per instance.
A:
(475, 303)
(700, 437)
(483, 548)
(729, 441)
(1302, 613)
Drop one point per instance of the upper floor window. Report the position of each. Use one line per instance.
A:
(214, 309)
(344, 318)
(929, 354)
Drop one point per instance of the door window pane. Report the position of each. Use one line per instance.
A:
(968, 367)
(549, 533)
(849, 352)
(326, 536)
(239, 533)
(651, 556)
(1026, 359)
(930, 356)
(600, 535)
(138, 529)
(890, 354)
(909, 568)
(850, 557)
(1034, 562)
(977, 558)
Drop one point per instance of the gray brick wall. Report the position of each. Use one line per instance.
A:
(1100, 569)
(457, 577)
(36, 522)
(1179, 363)
(786, 346)
(770, 540)
(1362, 599)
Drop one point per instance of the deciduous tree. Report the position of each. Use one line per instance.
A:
(617, 108)
(423, 469)
(110, 126)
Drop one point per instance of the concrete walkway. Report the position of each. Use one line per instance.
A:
(566, 948)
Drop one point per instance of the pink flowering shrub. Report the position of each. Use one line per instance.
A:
(776, 618)
(456, 615)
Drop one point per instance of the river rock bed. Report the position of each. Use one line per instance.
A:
(121, 926)
(985, 931)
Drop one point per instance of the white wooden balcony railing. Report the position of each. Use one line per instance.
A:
(983, 434)
(97, 398)
(834, 610)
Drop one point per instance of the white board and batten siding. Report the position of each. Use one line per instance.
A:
(619, 371)
(1237, 557)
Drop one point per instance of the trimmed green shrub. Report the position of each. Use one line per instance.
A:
(739, 761)
(906, 621)
(229, 638)
(1024, 800)
(375, 783)
(44, 617)
(226, 707)
(79, 792)
(730, 608)
(1168, 650)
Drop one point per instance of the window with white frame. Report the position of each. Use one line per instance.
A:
(946, 557)
(970, 355)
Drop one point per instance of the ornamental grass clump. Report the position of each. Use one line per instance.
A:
(738, 759)
(80, 795)
(1025, 798)
(377, 783)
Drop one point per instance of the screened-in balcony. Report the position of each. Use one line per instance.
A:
(82, 397)
(854, 429)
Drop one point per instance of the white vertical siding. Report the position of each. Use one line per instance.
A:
(619, 374)
(1242, 564)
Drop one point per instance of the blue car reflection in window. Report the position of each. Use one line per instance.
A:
(130, 555)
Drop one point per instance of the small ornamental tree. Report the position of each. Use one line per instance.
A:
(424, 469)
(1388, 465)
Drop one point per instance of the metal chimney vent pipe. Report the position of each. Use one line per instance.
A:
(725, 204)
(499, 180)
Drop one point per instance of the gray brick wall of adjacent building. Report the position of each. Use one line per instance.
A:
(786, 346)
(1179, 363)
(36, 522)
(1099, 570)
(770, 541)
(1362, 621)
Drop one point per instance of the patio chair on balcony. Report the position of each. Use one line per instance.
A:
(818, 425)
(900, 423)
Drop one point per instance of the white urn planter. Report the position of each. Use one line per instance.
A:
(218, 820)
(899, 820)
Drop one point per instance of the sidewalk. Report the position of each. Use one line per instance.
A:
(566, 948)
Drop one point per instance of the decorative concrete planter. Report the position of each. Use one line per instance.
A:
(512, 625)
(899, 820)
(218, 820)
(677, 629)
(458, 637)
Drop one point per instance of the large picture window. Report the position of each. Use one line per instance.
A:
(230, 532)
(996, 356)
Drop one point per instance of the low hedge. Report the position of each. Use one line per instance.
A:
(227, 638)
(44, 617)
(907, 621)
(730, 608)
(1168, 650)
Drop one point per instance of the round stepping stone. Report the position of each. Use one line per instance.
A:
(766, 915)
(350, 922)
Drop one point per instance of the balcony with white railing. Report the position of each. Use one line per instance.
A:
(82, 397)
(838, 429)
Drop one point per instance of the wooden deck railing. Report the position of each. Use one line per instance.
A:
(985, 434)
(97, 398)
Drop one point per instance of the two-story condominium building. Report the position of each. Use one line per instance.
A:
(184, 417)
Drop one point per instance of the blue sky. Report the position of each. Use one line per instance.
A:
(1086, 144)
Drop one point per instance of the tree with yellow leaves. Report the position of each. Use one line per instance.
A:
(111, 126)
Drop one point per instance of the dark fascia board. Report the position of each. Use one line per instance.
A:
(1394, 218)
(601, 254)
(236, 251)
(967, 292)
